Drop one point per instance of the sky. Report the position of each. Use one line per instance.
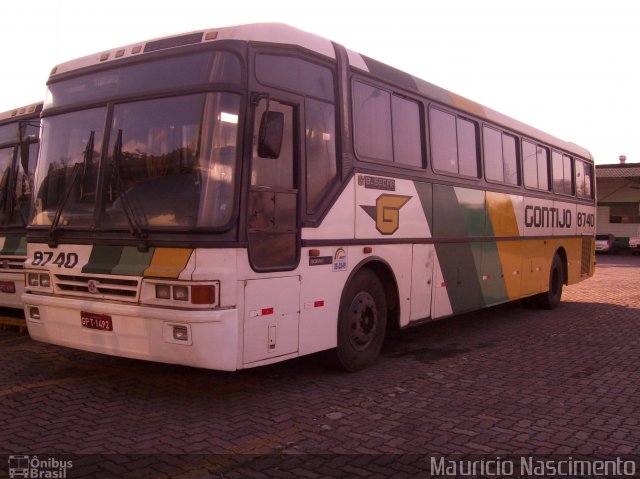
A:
(567, 67)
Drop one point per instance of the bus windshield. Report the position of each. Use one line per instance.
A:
(16, 171)
(170, 163)
(6, 163)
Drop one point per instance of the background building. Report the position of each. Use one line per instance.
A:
(618, 189)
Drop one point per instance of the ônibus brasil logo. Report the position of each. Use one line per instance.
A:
(34, 467)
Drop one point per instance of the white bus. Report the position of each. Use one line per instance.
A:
(239, 196)
(19, 130)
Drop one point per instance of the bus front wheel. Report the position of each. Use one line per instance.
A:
(362, 322)
(551, 299)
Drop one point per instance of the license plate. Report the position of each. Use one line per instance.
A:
(101, 322)
(7, 287)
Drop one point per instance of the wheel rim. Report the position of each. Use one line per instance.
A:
(363, 320)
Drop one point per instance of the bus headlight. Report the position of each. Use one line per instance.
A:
(38, 280)
(181, 293)
(32, 280)
(163, 291)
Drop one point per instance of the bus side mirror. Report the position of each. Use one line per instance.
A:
(270, 134)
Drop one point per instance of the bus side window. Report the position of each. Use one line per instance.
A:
(584, 180)
(387, 126)
(562, 173)
(492, 142)
(407, 137)
(454, 143)
(510, 159)
(372, 120)
(535, 159)
(320, 150)
(315, 83)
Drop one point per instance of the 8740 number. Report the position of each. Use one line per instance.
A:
(62, 260)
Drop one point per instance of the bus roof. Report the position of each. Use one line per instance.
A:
(16, 113)
(285, 34)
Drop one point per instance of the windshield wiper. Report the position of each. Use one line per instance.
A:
(134, 225)
(86, 158)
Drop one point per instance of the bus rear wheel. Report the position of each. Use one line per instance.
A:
(362, 322)
(551, 299)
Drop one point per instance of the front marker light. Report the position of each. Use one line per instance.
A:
(180, 333)
(163, 291)
(32, 280)
(34, 313)
(181, 293)
(45, 281)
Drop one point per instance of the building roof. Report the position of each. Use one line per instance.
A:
(626, 170)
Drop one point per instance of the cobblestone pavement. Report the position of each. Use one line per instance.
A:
(503, 381)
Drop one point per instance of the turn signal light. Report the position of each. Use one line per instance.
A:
(203, 294)
(199, 294)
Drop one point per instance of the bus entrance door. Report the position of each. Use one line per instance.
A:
(272, 304)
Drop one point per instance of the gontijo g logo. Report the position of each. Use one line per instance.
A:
(386, 212)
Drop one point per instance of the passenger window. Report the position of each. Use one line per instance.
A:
(407, 142)
(584, 179)
(444, 147)
(454, 143)
(536, 166)
(467, 148)
(500, 157)
(372, 119)
(492, 142)
(543, 168)
(567, 165)
(558, 172)
(562, 173)
(387, 126)
(510, 159)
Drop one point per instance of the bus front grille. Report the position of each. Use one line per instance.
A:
(103, 287)
(11, 263)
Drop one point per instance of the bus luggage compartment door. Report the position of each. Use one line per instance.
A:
(421, 281)
(271, 318)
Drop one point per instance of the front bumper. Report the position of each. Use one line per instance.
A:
(139, 332)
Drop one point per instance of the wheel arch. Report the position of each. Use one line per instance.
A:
(387, 278)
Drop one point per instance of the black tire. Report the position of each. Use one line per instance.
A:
(551, 299)
(362, 322)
